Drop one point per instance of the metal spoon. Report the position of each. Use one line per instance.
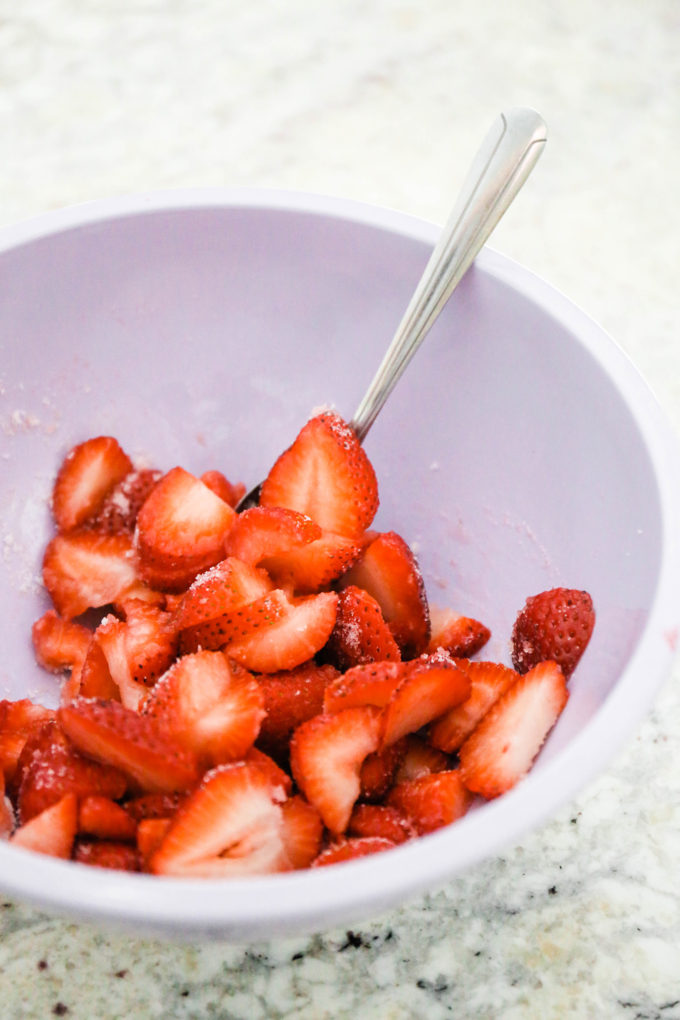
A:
(500, 168)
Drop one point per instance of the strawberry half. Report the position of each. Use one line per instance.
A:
(350, 849)
(460, 636)
(212, 597)
(237, 624)
(210, 708)
(118, 736)
(291, 697)
(264, 531)
(555, 625)
(59, 644)
(86, 476)
(231, 825)
(372, 683)
(431, 801)
(360, 634)
(85, 570)
(326, 475)
(488, 681)
(432, 685)
(310, 567)
(102, 817)
(296, 637)
(52, 831)
(326, 755)
(388, 570)
(502, 748)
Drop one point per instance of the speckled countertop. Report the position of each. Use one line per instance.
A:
(384, 101)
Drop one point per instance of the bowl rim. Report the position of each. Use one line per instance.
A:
(315, 900)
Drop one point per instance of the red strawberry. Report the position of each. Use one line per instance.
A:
(301, 831)
(94, 676)
(237, 624)
(326, 475)
(432, 801)
(419, 758)
(350, 849)
(460, 636)
(52, 831)
(18, 721)
(214, 594)
(118, 513)
(555, 625)
(372, 683)
(230, 826)
(112, 638)
(152, 805)
(488, 680)
(85, 570)
(86, 476)
(115, 735)
(150, 834)
(106, 854)
(291, 697)
(388, 570)
(6, 810)
(151, 640)
(181, 530)
(268, 530)
(279, 780)
(360, 634)
(379, 769)
(59, 644)
(228, 491)
(501, 749)
(210, 708)
(295, 638)
(102, 817)
(315, 565)
(433, 684)
(380, 820)
(326, 755)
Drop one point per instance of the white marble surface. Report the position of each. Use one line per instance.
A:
(384, 101)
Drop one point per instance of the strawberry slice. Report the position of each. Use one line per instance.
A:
(151, 640)
(181, 530)
(291, 697)
(102, 817)
(432, 801)
(360, 634)
(419, 758)
(315, 565)
(213, 596)
(379, 770)
(237, 624)
(231, 825)
(88, 473)
(433, 684)
(279, 780)
(150, 834)
(51, 832)
(326, 475)
(380, 820)
(291, 640)
(85, 570)
(18, 721)
(94, 676)
(106, 853)
(326, 755)
(118, 513)
(265, 531)
(460, 636)
(501, 749)
(301, 831)
(230, 492)
(6, 811)
(388, 570)
(50, 767)
(372, 683)
(210, 708)
(488, 681)
(350, 849)
(553, 625)
(118, 736)
(152, 805)
(112, 638)
(59, 644)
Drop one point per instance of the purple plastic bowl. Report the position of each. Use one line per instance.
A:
(520, 451)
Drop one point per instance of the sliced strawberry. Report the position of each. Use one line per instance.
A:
(102, 817)
(118, 513)
(106, 853)
(501, 749)
(150, 834)
(237, 624)
(52, 831)
(379, 769)
(94, 675)
(350, 849)
(310, 567)
(85, 570)
(301, 831)
(295, 638)
(152, 805)
(460, 636)
(360, 634)
(388, 570)
(432, 801)
(373, 683)
(18, 720)
(326, 475)
(231, 825)
(230, 492)
(87, 474)
(419, 758)
(264, 531)
(326, 755)
(112, 638)
(210, 708)
(7, 820)
(115, 735)
(50, 767)
(279, 780)
(488, 681)
(214, 594)
(181, 530)
(433, 684)
(554, 625)
(151, 640)
(59, 644)
(291, 697)
(380, 820)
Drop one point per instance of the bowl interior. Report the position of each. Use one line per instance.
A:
(205, 336)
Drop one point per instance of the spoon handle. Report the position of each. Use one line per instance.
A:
(498, 171)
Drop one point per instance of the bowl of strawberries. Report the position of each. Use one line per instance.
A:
(239, 722)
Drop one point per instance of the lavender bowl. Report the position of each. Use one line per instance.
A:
(520, 451)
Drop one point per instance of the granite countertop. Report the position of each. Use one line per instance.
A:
(384, 101)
